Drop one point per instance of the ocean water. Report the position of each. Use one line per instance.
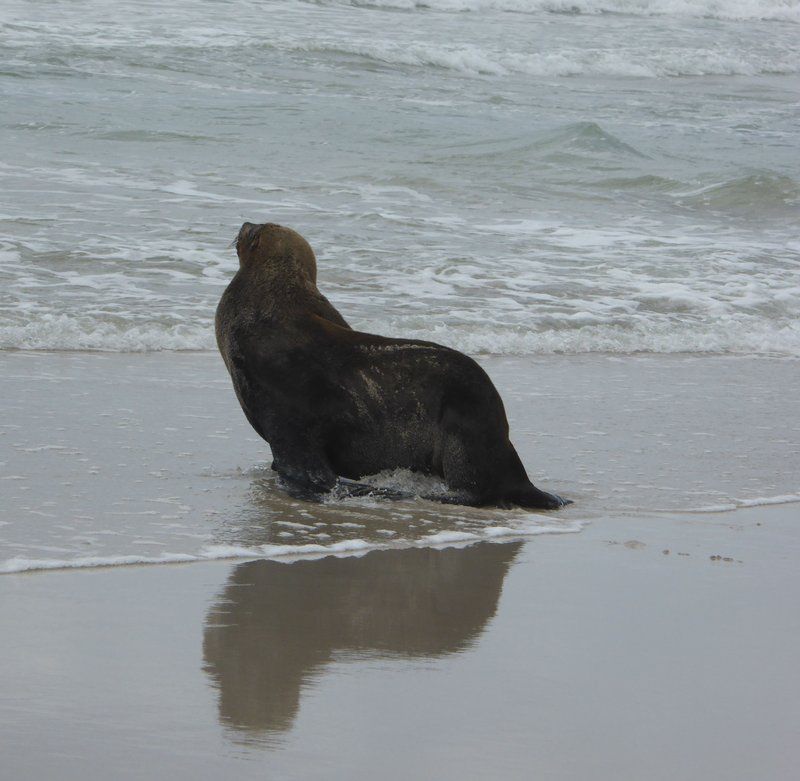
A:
(503, 176)
(508, 177)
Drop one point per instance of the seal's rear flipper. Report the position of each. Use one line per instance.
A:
(531, 497)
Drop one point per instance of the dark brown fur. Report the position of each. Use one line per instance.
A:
(334, 402)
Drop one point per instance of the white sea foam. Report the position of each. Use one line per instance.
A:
(723, 338)
(768, 500)
(584, 335)
(353, 547)
(82, 332)
(738, 504)
(633, 62)
(496, 58)
(778, 10)
(623, 218)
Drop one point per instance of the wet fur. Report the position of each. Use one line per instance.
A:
(333, 402)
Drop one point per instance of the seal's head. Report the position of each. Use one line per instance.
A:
(275, 249)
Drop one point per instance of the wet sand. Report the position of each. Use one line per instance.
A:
(110, 458)
(654, 641)
(595, 655)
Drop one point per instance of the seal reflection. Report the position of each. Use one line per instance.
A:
(275, 626)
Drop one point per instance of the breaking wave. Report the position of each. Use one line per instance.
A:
(727, 336)
(631, 62)
(737, 10)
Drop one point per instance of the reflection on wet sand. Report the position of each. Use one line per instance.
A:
(276, 625)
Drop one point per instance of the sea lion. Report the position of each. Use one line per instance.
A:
(337, 403)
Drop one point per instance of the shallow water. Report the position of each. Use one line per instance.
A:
(504, 176)
(110, 460)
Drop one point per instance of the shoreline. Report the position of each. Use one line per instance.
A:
(357, 548)
(478, 355)
(146, 457)
(570, 656)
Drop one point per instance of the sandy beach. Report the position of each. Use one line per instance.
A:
(595, 655)
(656, 638)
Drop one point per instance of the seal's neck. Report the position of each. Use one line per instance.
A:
(277, 289)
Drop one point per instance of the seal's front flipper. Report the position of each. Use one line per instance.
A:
(305, 474)
(302, 490)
